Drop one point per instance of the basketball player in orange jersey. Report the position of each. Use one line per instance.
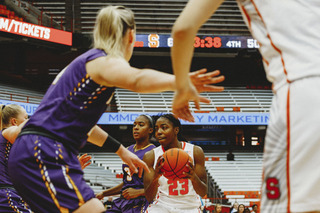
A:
(179, 195)
(289, 38)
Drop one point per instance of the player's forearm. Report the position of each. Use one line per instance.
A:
(140, 192)
(152, 81)
(113, 191)
(199, 186)
(181, 55)
(12, 132)
(151, 189)
(97, 136)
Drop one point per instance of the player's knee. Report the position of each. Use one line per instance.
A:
(94, 205)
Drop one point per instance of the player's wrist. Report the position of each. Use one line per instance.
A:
(112, 144)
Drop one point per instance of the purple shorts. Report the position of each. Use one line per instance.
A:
(47, 175)
(10, 201)
(122, 205)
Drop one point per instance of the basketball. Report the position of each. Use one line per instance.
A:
(175, 161)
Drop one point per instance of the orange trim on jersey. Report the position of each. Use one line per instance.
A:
(288, 148)
(271, 42)
(265, 61)
(184, 145)
(247, 15)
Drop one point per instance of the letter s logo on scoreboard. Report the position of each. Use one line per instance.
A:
(153, 41)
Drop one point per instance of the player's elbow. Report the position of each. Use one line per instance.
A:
(180, 31)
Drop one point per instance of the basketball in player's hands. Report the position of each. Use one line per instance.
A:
(175, 163)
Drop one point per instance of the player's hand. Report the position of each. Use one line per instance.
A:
(131, 193)
(202, 80)
(159, 166)
(100, 196)
(135, 164)
(180, 104)
(84, 160)
(190, 174)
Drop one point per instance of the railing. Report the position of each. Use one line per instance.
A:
(20, 98)
(39, 14)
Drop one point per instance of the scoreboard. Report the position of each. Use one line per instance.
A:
(205, 42)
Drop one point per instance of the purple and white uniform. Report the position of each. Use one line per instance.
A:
(43, 161)
(10, 201)
(136, 205)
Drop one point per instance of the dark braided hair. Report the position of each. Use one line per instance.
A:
(175, 122)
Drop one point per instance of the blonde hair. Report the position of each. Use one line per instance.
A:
(7, 112)
(111, 25)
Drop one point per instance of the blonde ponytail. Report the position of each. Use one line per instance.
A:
(111, 25)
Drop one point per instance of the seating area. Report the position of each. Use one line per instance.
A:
(11, 93)
(5, 12)
(230, 100)
(99, 178)
(239, 180)
(108, 161)
(152, 16)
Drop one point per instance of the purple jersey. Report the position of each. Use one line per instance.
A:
(73, 103)
(5, 147)
(133, 181)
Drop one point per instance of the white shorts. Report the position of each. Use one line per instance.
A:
(162, 208)
(291, 181)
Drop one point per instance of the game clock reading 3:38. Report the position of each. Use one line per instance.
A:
(207, 42)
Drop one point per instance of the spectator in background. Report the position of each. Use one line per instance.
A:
(234, 208)
(218, 208)
(246, 210)
(230, 155)
(241, 208)
(254, 208)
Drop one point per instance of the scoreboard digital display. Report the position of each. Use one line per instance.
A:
(205, 42)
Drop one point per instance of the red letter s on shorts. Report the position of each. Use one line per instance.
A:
(273, 191)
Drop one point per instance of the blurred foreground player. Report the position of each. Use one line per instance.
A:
(11, 116)
(43, 161)
(289, 38)
(179, 195)
(131, 190)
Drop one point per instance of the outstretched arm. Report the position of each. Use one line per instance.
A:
(184, 31)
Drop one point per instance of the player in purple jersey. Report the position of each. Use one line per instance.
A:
(43, 161)
(131, 191)
(10, 115)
